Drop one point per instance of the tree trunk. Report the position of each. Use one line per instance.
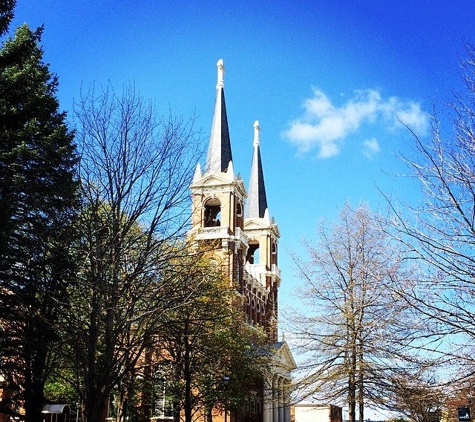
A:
(34, 385)
(187, 380)
(96, 410)
(34, 402)
(361, 372)
(209, 414)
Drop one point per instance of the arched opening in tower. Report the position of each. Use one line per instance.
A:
(239, 216)
(274, 253)
(212, 217)
(253, 253)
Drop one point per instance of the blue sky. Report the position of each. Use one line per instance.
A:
(327, 79)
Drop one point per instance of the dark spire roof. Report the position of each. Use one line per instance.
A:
(257, 198)
(219, 150)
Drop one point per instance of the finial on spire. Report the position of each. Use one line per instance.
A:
(257, 129)
(219, 149)
(220, 65)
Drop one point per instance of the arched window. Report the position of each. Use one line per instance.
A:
(253, 252)
(239, 209)
(274, 253)
(239, 215)
(212, 217)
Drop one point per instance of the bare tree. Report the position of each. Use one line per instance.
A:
(349, 330)
(418, 399)
(135, 172)
(440, 233)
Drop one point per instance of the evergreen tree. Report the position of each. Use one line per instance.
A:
(37, 199)
(6, 14)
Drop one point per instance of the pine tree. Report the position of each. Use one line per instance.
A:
(6, 14)
(38, 193)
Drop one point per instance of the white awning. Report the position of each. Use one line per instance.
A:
(56, 408)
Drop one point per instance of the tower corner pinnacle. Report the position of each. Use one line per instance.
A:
(230, 171)
(197, 175)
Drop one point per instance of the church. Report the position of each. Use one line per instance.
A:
(235, 223)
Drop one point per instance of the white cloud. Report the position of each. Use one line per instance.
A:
(325, 126)
(370, 147)
(413, 117)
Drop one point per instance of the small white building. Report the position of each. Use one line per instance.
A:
(317, 413)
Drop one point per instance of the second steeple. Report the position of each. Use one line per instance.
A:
(257, 198)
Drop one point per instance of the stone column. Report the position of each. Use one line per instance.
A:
(275, 399)
(281, 399)
(267, 404)
(287, 401)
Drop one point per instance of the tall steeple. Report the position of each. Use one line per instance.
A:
(257, 198)
(219, 150)
(243, 242)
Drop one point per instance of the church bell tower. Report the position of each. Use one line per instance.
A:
(244, 238)
(218, 196)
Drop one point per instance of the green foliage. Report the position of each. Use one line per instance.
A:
(58, 391)
(398, 419)
(38, 195)
(6, 14)
(206, 339)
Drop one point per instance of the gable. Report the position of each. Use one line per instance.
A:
(213, 179)
(259, 224)
(219, 180)
(283, 357)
